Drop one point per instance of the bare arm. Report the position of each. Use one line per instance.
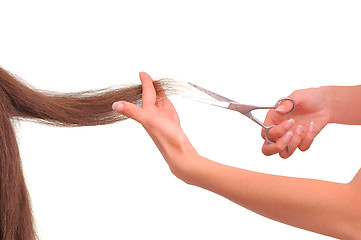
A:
(345, 104)
(328, 208)
(332, 209)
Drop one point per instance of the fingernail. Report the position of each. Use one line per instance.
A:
(280, 108)
(287, 137)
(311, 128)
(118, 106)
(299, 130)
(289, 123)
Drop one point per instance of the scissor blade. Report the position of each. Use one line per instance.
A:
(212, 102)
(212, 94)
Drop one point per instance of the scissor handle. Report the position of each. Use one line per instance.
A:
(286, 98)
(267, 128)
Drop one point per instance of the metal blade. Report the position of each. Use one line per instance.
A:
(212, 102)
(212, 94)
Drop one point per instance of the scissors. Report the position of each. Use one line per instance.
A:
(243, 108)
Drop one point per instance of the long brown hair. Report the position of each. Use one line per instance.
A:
(19, 101)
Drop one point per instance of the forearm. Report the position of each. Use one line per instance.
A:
(344, 103)
(324, 207)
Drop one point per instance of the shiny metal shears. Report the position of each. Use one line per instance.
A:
(242, 108)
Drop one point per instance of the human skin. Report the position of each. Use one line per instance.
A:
(315, 108)
(332, 209)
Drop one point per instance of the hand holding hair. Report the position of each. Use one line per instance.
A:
(329, 208)
(160, 119)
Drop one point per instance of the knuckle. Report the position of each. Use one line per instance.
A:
(304, 148)
(305, 145)
(271, 134)
(278, 147)
(262, 135)
(265, 151)
(295, 93)
(268, 154)
(130, 111)
(284, 155)
(125, 109)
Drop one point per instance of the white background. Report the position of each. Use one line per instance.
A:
(110, 182)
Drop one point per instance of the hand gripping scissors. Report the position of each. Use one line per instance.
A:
(243, 108)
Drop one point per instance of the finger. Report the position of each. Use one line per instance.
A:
(308, 139)
(149, 95)
(273, 148)
(294, 143)
(276, 132)
(162, 99)
(159, 90)
(131, 110)
(268, 121)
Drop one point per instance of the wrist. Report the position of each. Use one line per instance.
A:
(182, 158)
(190, 168)
(328, 96)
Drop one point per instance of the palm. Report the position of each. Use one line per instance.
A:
(165, 119)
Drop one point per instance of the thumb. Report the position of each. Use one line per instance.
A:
(130, 110)
(285, 106)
